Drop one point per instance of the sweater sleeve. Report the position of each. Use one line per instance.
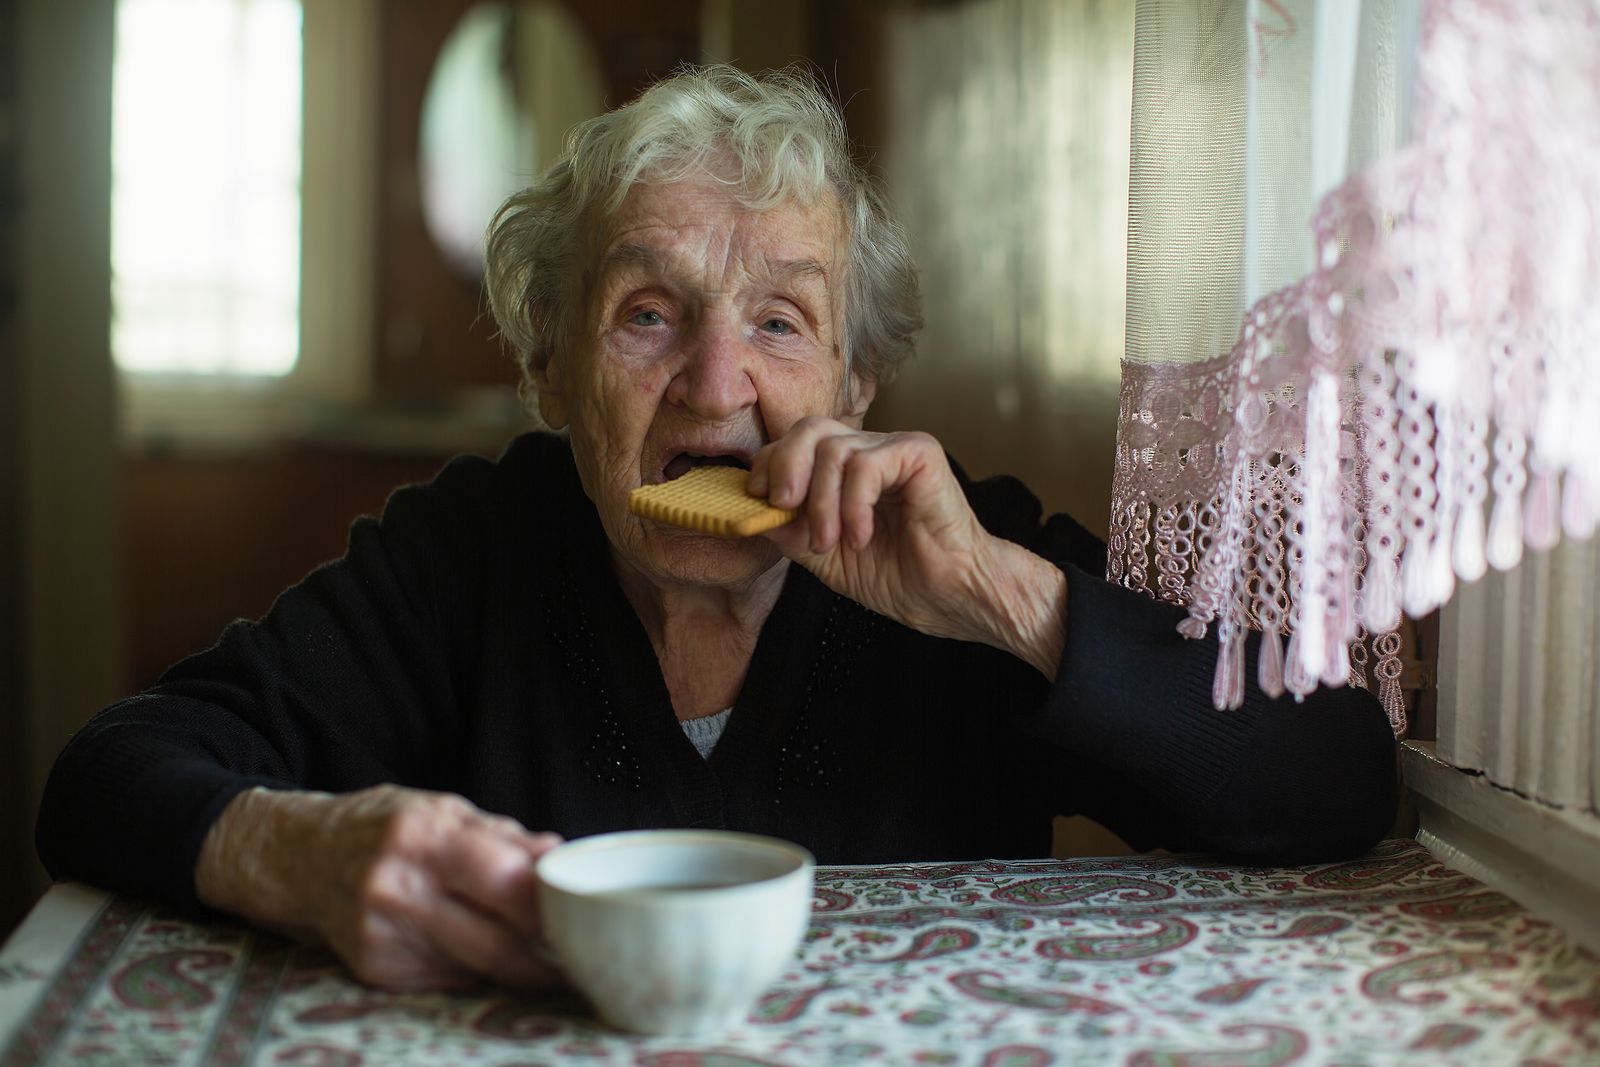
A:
(1274, 782)
(344, 683)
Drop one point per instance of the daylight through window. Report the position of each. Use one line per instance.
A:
(205, 201)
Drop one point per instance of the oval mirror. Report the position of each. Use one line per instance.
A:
(510, 81)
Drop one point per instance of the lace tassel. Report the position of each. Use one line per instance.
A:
(1295, 677)
(1469, 558)
(1393, 701)
(1269, 669)
(1542, 523)
(1227, 689)
(1577, 508)
(1380, 599)
(1336, 655)
(1505, 533)
(1441, 576)
(1416, 579)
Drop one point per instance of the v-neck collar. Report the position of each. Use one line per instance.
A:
(770, 695)
(767, 701)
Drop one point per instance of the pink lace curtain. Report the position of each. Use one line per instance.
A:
(1363, 317)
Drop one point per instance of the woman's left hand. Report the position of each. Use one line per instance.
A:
(884, 522)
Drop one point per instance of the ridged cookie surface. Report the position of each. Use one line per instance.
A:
(711, 500)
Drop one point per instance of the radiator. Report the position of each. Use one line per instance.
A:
(1519, 693)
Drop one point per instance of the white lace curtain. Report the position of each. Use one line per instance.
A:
(1364, 238)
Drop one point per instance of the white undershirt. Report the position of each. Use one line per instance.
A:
(706, 731)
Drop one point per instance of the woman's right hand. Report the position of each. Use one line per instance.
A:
(413, 890)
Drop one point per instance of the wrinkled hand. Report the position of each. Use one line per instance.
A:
(413, 890)
(884, 522)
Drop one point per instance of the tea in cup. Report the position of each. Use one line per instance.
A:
(674, 931)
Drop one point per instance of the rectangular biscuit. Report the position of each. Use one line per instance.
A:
(711, 500)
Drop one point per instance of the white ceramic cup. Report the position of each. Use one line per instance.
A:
(674, 931)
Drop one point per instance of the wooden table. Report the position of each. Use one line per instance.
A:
(1393, 958)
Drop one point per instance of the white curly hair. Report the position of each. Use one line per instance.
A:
(785, 139)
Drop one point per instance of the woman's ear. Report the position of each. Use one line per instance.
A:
(546, 371)
(857, 401)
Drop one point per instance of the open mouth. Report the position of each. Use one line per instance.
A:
(684, 462)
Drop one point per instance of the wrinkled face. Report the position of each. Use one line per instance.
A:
(708, 330)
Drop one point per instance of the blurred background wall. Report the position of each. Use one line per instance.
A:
(142, 510)
(13, 787)
(61, 596)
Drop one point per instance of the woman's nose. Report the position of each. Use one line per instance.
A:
(714, 381)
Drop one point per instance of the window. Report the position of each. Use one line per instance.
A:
(206, 179)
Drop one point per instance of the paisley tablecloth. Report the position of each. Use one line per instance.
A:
(1146, 961)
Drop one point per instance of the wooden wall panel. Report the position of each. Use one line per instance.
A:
(209, 540)
(69, 579)
(14, 836)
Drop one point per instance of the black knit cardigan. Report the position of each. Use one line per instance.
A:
(475, 640)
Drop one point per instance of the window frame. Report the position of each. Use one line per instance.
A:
(338, 220)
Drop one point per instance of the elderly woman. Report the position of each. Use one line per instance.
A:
(916, 668)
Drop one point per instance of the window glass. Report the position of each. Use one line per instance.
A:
(205, 201)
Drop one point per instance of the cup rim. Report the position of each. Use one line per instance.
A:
(803, 861)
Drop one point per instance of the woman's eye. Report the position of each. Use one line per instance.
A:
(646, 318)
(777, 326)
